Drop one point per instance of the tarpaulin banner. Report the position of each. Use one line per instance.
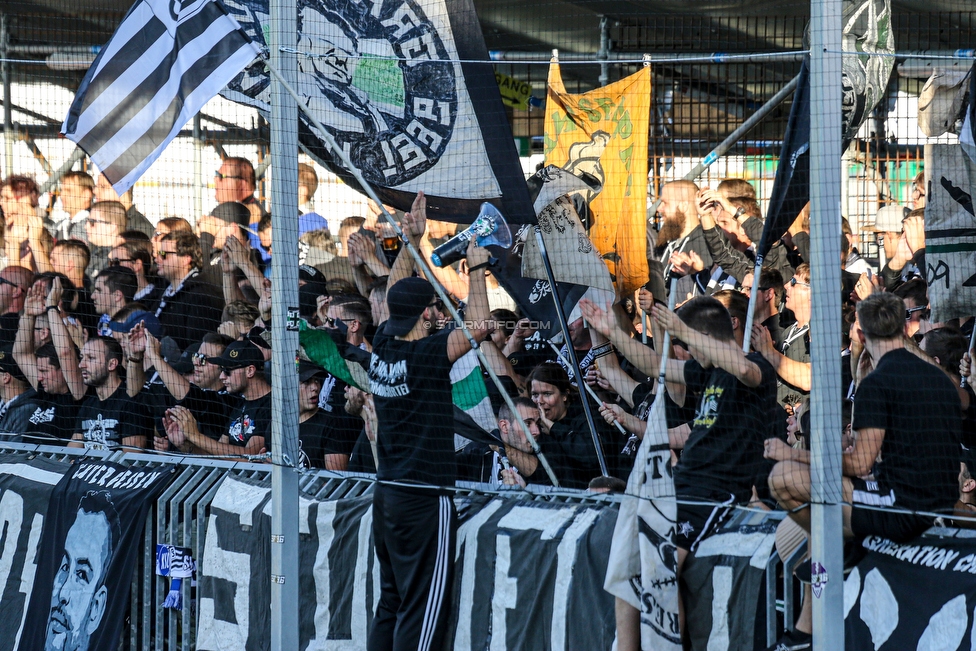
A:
(401, 86)
(602, 136)
(919, 595)
(529, 574)
(93, 537)
(25, 488)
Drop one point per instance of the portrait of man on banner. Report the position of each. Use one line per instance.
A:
(80, 594)
(91, 543)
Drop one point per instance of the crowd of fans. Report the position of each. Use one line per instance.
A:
(115, 332)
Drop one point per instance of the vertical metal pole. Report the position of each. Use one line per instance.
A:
(826, 537)
(284, 277)
(573, 359)
(8, 102)
(604, 53)
(198, 168)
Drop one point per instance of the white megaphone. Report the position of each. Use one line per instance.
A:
(489, 229)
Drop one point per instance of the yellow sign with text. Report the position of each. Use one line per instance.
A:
(602, 135)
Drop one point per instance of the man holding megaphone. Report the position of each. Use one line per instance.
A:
(414, 521)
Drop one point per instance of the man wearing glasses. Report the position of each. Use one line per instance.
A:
(249, 428)
(235, 181)
(189, 307)
(792, 360)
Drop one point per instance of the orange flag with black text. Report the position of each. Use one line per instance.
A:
(601, 136)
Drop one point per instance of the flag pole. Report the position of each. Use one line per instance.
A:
(750, 315)
(734, 137)
(589, 389)
(421, 264)
(561, 315)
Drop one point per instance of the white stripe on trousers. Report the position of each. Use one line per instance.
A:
(438, 582)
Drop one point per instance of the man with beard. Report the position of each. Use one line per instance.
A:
(680, 240)
(248, 431)
(52, 369)
(79, 596)
(361, 458)
(108, 417)
(201, 392)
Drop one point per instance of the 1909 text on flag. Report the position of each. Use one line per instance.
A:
(164, 62)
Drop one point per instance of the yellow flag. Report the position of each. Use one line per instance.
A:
(603, 134)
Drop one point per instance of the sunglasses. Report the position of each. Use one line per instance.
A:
(4, 281)
(912, 310)
(794, 282)
(223, 177)
(438, 303)
(200, 359)
(115, 262)
(333, 322)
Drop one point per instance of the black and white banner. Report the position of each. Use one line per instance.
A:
(25, 488)
(920, 595)
(165, 61)
(92, 539)
(725, 579)
(401, 86)
(530, 575)
(950, 232)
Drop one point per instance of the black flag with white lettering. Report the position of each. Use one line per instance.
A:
(407, 90)
(92, 539)
(791, 188)
(165, 61)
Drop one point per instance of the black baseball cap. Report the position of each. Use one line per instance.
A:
(312, 285)
(8, 364)
(407, 300)
(238, 355)
(308, 370)
(232, 212)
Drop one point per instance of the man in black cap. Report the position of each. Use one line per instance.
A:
(326, 438)
(19, 399)
(249, 430)
(414, 528)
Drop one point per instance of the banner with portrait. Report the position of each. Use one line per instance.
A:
(92, 539)
(406, 89)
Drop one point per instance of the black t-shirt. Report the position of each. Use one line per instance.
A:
(326, 433)
(9, 323)
(54, 418)
(675, 414)
(253, 419)
(411, 386)
(104, 423)
(918, 408)
(724, 450)
(361, 457)
(212, 409)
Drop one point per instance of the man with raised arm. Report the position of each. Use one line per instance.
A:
(723, 450)
(108, 417)
(52, 369)
(414, 520)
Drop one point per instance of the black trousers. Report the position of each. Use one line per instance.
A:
(415, 537)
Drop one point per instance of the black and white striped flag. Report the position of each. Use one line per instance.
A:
(165, 61)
